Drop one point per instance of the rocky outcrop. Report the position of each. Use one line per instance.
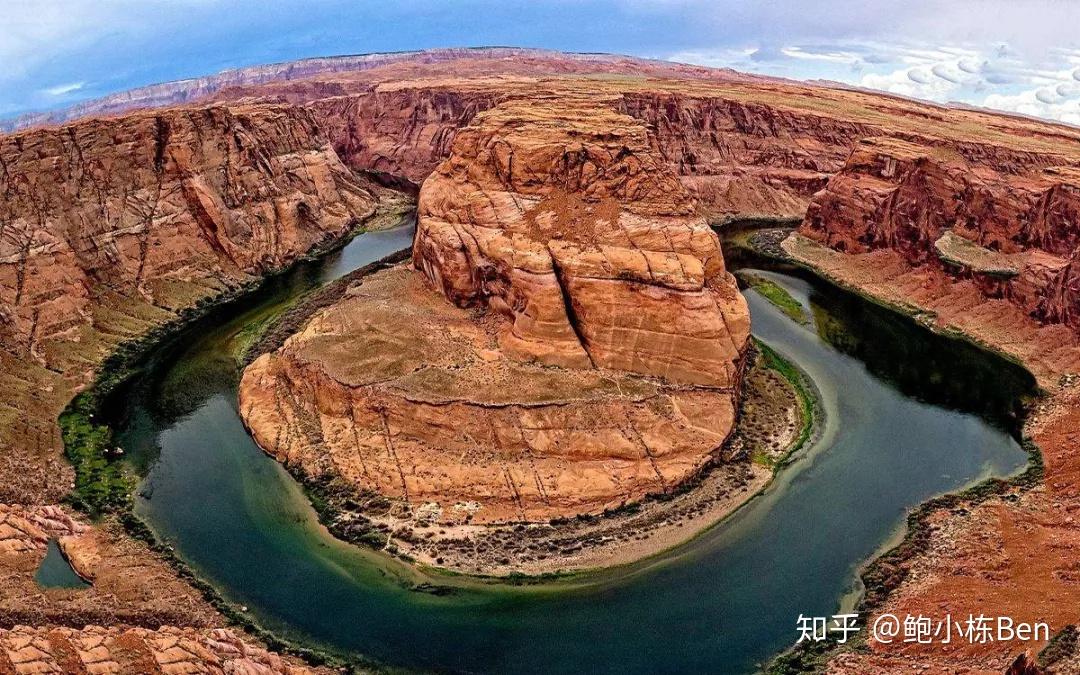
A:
(135, 616)
(745, 158)
(404, 132)
(155, 209)
(130, 584)
(907, 197)
(560, 216)
(983, 248)
(595, 357)
(570, 244)
(97, 649)
(903, 195)
(402, 394)
(736, 158)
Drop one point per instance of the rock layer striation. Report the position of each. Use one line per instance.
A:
(594, 355)
(111, 228)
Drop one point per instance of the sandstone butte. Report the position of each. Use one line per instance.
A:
(607, 368)
(111, 226)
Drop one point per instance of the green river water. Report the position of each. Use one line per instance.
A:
(909, 415)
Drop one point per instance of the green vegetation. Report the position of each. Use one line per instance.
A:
(776, 294)
(102, 484)
(762, 458)
(803, 389)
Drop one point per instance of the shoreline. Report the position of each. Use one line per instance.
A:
(587, 545)
(569, 547)
(123, 363)
(138, 529)
(882, 574)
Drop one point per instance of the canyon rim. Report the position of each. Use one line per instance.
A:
(564, 343)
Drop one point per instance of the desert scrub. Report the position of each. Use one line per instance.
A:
(776, 294)
(763, 458)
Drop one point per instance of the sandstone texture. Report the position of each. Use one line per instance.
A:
(108, 230)
(601, 360)
(123, 622)
(562, 218)
(978, 239)
(167, 651)
(1022, 208)
(111, 227)
(1013, 553)
(403, 394)
(128, 583)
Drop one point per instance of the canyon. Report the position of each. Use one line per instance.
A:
(564, 204)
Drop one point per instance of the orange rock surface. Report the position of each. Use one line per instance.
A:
(607, 367)
(96, 649)
(119, 624)
(559, 215)
(1011, 557)
(401, 393)
(110, 227)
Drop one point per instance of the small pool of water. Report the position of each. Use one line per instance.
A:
(56, 572)
(909, 415)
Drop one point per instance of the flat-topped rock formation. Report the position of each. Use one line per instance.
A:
(559, 215)
(595, 357)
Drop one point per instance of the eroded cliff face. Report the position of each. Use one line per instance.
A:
(594, 355)
(562, 217)
(135, 617)
(736, 158)
(979, 240)
(1017, 209)
(159, 210)
(109, 228)
(400, 393)
(745, 158)
(402, 133)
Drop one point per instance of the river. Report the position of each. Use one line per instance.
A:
(909, 415)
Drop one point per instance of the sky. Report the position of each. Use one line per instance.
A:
(1019, 55)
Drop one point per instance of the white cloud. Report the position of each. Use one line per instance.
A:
(1045, 83)
(818, 55)
(37, 31)
(1030, 103)
(1022, 56)
(61, 89)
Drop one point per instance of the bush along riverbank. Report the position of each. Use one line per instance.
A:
(104, 485)
(775, 294)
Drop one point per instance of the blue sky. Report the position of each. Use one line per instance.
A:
(1012, 55)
